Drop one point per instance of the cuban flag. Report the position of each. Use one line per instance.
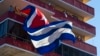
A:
(46, 36)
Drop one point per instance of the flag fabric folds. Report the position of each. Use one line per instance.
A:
(46, 36)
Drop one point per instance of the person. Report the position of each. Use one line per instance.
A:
(65, 13)
(11, 8)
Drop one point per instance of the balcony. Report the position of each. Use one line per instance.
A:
(81, 6)
(24, 45)
(75, 3)
(76, 22)
(17, 43)
(28, 46)
(76, 7)
(82, 46)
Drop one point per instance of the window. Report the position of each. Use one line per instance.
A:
(64, 50)
(3, 28)
(16, 30)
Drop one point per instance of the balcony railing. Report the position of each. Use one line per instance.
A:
(81, 6)
(76, 21)
(22, 44)
(41, 4)
(18, 43)
(16, 17)
(28, 46)
(2, 41)
(2, 17)
(12, 16)
(82, 45)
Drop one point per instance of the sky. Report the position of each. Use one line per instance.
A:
(95, 21)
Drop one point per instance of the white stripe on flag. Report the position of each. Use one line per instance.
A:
(29, 22)
(49, 28)
(50, 39)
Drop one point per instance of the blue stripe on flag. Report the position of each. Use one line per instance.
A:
(67, 36)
